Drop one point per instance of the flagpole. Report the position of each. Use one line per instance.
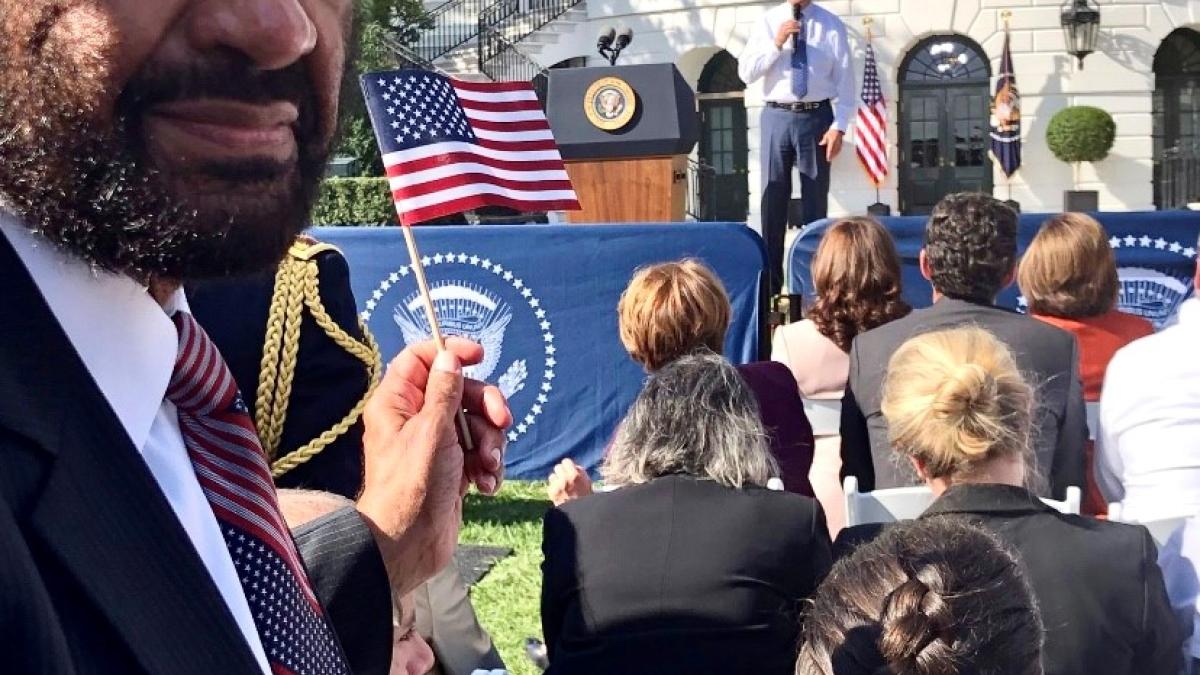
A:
(431, 316)
(1006, 15)
(867, 21)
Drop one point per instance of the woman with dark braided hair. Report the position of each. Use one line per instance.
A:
(960, 413)
(930, 597)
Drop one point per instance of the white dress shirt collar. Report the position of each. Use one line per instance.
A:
(125, 338)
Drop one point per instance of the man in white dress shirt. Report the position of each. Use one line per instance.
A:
(1148, 445)
(808, 86)
(143, 144)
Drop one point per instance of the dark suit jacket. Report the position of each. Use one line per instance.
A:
(1047, 355)
(679, 575)
(1098, 584)
(328, 382)
(96, 573)
(787, 427)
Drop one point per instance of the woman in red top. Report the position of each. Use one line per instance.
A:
(1068, 276)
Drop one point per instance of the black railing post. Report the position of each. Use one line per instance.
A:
(701, 194)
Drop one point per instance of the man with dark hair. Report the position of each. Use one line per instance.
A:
(973, 262)
(144, 145)
(970, 255)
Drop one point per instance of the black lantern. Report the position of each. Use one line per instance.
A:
(1081, 27)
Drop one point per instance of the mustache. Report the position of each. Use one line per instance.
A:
(228, 76)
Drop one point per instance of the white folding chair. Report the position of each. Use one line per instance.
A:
(1093, 419)
(884, 506)
(1161, 529)
(825, 415)
(1070, 505)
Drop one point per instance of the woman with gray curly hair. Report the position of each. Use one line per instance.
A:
(693, 565)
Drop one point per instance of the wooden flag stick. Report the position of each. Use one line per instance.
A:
(431, 316)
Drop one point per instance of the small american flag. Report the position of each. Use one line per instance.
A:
(870, 127)
(451, 146)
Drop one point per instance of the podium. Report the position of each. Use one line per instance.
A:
(624, 133)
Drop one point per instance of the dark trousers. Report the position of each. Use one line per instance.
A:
(790, 139)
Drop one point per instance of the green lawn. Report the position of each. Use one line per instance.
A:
(507, 598)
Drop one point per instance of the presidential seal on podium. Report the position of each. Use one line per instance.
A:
(609, 103)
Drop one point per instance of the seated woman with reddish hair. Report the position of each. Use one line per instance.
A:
(1068, 276)
(679, 308)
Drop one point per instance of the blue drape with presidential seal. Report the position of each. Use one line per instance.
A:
(542, 300)
(1155, 251)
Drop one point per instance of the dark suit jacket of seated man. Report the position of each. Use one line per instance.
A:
(976, 235)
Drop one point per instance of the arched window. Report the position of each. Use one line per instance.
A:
(1176, 118)
(940, 58)
(943, 122)
(720, 75)
(719, 180)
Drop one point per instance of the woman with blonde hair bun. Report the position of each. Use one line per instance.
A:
(957, 406)
(960, 412)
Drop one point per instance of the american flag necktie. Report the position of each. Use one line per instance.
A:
(232, 469)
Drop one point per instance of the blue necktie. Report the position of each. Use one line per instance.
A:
(800, 63)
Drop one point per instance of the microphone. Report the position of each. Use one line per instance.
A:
(796, 14)
(607, 35)
(624, 38)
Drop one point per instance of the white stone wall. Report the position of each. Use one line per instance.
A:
(1118, 77)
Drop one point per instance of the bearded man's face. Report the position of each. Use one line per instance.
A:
(168, 139)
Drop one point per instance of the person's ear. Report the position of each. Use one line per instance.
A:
(923, 263)
(919, 466)
(1009, 278)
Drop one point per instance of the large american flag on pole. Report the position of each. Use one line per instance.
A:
(870, 126)
(451, 146)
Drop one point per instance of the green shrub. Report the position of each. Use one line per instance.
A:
(1081, 134)
(354, 201)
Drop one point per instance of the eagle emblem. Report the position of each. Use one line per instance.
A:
(1151, 294)
(470, 311)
